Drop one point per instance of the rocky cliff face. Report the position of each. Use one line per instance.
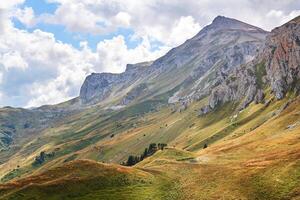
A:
(99, 86)
(276, 66)
(282, 58)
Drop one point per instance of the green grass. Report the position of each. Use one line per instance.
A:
(139, 109)
(79, 145)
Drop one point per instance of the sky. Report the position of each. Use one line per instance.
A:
(48, 47)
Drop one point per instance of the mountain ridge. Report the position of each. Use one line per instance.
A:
(223, 22)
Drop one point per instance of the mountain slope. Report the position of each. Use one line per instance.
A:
(262, 163)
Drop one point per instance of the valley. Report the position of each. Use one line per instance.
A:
(231, 125)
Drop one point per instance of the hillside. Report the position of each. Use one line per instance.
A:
(226, 102)
(253, 160)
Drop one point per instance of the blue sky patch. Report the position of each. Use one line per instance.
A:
(41, 6)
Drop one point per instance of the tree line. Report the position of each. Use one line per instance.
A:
(41, 158)
(153, 147)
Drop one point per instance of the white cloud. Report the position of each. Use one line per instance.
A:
(184, 28)
(13, 59)
(26, 16)
(278, 17)
(9, 4)
(156, 18)
(7, 8)
(1, 77)
(76, 17)
(123, 19)
(5, 23)
(55, 91)
(1, 96)
(37, 69)
(113, 55)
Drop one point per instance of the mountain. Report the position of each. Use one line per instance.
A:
(201, 62)
(226, 103)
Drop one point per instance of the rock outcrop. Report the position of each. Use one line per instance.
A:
(98, 86)
(282, 56)
(277, 66)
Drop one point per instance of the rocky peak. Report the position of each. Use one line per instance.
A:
(221, 22)
(211, 39)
